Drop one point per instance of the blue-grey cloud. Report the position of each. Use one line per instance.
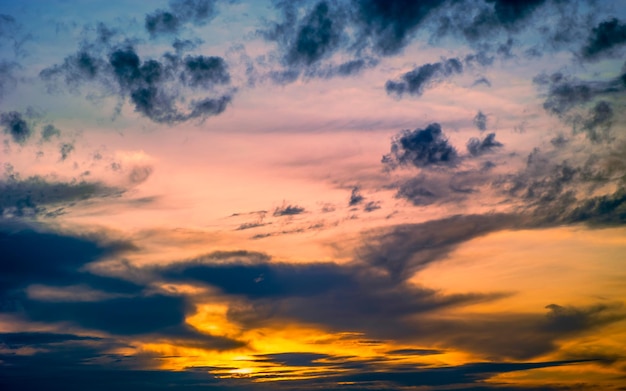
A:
(390, 24)
(476, 146)
(422, 77)
(152, 86)
(288, 210)
(605, 39)
(16, 126)
(421, 148)
(480, 121)
(355, 197)
(179, 13)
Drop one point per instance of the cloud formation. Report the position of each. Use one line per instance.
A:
(605, 39)
(421, 148)
(477, 147)
(154, 87)
(422, 77)
(179, 13)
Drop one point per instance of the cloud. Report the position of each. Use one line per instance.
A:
(480, 121)
(478, 147)
(65, 149)
(421, 148)
(92, 365)
(37, 195)
(422, 77)
(511, 12)
(389, 25)
(154, 87)
(569, 98)
(16, 127)
(180, 12)
(605, 39)
(355, 197)
(48, 132)
(371, 206)
(318, 35)
(39, 260)
(39, 257)
(344, 297)
(599, 122)
(288, 210)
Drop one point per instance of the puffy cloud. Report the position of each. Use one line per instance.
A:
(152, 86)
(421, 148)
(16, 126)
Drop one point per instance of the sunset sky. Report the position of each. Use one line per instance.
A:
(313, 195)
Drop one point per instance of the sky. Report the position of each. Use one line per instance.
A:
(305, 195)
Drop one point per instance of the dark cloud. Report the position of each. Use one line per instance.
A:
(34, 257)
(569, 98)
(599, 121)
(602, 210)
(307, 43)
(425, 76)
(38, 195)
(344, 297)
(38, 339)
(480, 121)
(348, 68)
(390, 24)
(478, 147)
(91, 364)
(162, 22)
(421, 148)
(605, 39)
(510, 12)
(402, 250)
(154, 87)
(205, 72)
(58, 262)
(77, 68)
(16, 126)
(288, 210)
(317, 36)
(355, 197)
(377, 285)
(180, 12)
